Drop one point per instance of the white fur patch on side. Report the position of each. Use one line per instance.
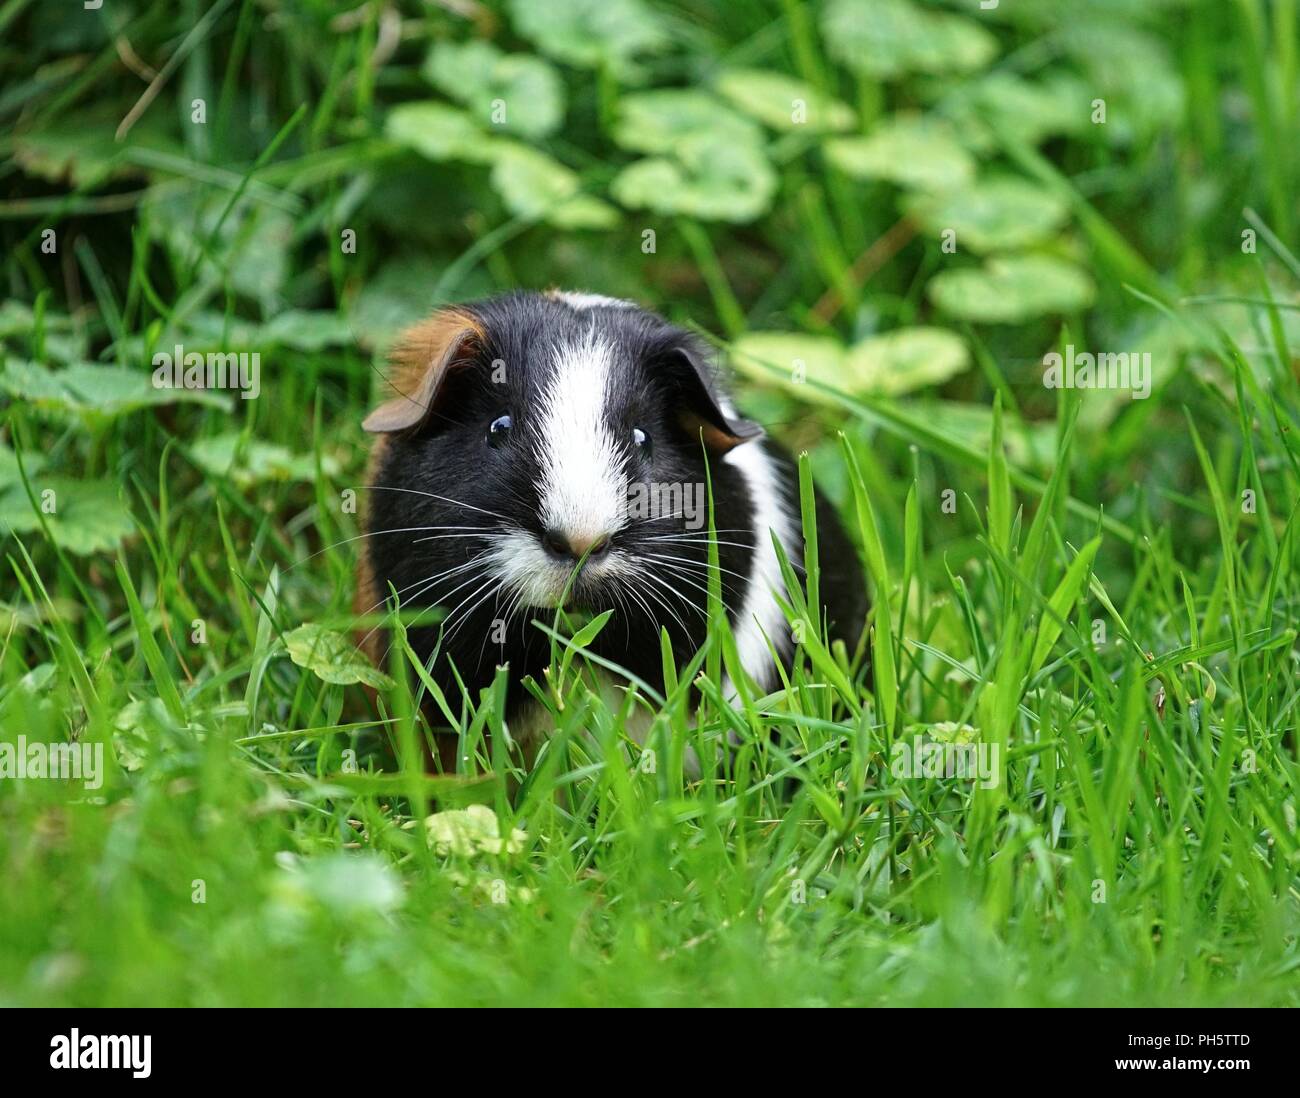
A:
(759, 615)
(590, 301)
(582, 490)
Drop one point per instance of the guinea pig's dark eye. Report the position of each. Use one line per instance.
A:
(499, 430)
(641, 440)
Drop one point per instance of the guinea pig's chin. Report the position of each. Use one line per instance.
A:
(583, 593)
(522, 566)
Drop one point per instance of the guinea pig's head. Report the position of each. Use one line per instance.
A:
(531, 432)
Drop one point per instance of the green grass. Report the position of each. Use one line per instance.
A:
(1069, 577)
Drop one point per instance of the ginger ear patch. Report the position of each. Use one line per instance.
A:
(701, 412)
(420, 361)
(716, 438)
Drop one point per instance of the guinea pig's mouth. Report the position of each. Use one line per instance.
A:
(581, 592)
(544, 583)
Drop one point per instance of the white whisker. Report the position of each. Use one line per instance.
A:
(424, 585)
(700, 566)
(434, 495)
(374, 533)
(655, 579)
(704, 590)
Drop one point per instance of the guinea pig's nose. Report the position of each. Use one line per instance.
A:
(560, 544)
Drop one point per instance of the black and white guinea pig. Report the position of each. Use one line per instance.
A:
(529, 431)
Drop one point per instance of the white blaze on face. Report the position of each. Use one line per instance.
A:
(591, 301)
(582, 492)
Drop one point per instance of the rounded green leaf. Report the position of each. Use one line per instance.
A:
(9, 472)
(533, 184)
(659, 121)
(307, 330)
(94, 390)
(1131, 68)
(991, 214)
(438, 131)
(84, 517)
(909, 151)
(889, 364)
(1032, 444)
(591, 33)
(517, 92)
(1027, 110)
(257, 239)
(250, 461)
(711, 179)
(331, 657)
(783, 103)
(887, 38)
(1012, 289)
(792, 359)
(904, 360)
(469, 831)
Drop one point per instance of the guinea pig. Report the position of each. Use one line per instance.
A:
(545, 447)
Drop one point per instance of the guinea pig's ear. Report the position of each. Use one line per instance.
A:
(422, 359)
(701, 409)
